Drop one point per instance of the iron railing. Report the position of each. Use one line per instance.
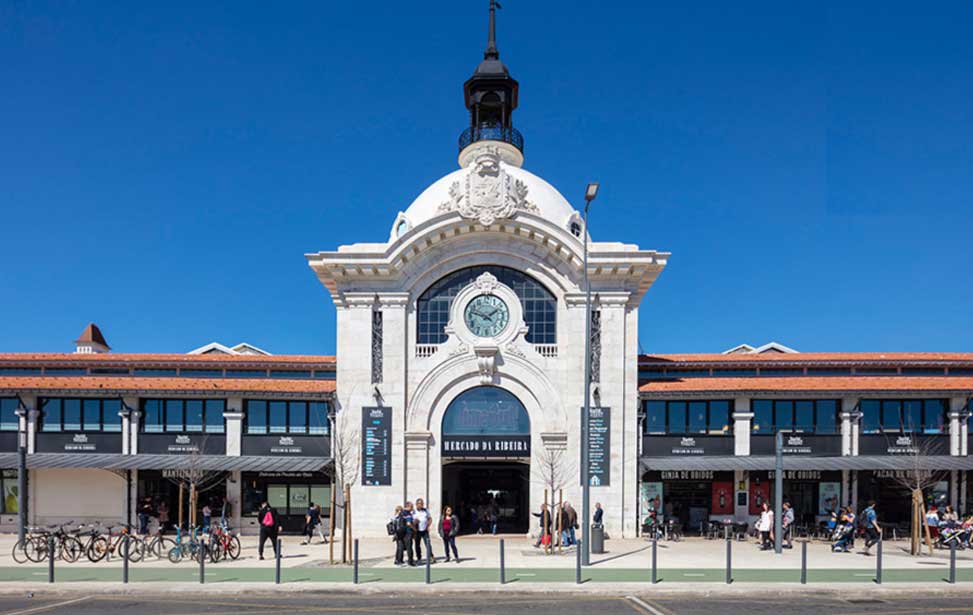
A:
(491, 132)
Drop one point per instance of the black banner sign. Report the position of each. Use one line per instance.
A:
(665, 446)
(181, 444)
(807, 445)
(903, 444)
(95, 442)
(376, 430)
(8, 441)
(486, 446)
(287, 445)
(599, 447)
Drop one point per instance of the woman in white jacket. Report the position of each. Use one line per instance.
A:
(765, 525)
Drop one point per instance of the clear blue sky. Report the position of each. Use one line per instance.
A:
(165, 166)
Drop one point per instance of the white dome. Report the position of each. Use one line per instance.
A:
(545, 200)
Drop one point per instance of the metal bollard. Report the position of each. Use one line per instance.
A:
(428, 567)
(952, 563)
(277, 558)
(50, 559)
(503, 572)
(355, 573)
(577, 566)
(804, 563)
(202, 562)
(878, 562)
(729, 561)
(654, 559)
(125, 562)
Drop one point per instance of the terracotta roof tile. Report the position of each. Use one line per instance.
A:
(165, 358)
(97, 384)
(810, 357)
(92, 334)
(963, 384)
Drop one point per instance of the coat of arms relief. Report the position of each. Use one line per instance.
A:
(488, 194)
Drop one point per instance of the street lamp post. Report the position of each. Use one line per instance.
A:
(589, 195)
(22, 473)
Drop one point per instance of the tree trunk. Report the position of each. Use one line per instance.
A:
(331, 522)
(180, 507)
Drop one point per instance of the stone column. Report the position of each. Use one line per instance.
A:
(417, 469)
(234, 426)
(850, 416)
(125, 413)
(954, 476)
(741, 513)
(27, 421)
(234, 495)
(957, 416)
(741, 425)
(134, 420)
(962, 492)
(845, 487)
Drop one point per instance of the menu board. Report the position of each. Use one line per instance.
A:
(599, 447)
(376, 428)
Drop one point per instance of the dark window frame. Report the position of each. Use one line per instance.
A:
(251, 407)
(209, 404)
(685, 430)
(9, 404)
(931, 408)
(45, 423)
(791, 407)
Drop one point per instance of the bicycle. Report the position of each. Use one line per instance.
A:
(223, 543)
(125, 544)
(158, 546)
(192, 549)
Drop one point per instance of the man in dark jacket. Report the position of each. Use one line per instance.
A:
(269, 527)
(569, 522)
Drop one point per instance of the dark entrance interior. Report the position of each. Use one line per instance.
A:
(480, 492)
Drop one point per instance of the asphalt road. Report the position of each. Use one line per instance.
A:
(476, 604)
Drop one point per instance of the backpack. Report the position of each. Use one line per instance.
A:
(268, 520)
(390, 528)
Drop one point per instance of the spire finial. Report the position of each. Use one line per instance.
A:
(491, 52)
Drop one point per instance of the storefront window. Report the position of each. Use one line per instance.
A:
(295, 417)
(9, 421)
(183, 415)
(904, 416)
(680, 417)
(69, 414)
(800, 416)
(8, 487)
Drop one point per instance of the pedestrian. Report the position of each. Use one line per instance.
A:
(569, 523)
(950, 518)
(312, 519)
(404, 532)
(422, 519)
(850, 520)
(269, 527)
(873, 531)
(494, 516)
(145, 511)
(544, 519)
(787, 525)
(932, 521)
(324, 539)
(599, 514)
(163, 516)
(207, 516)
(448, 528)
(395, 530)
(765, 526)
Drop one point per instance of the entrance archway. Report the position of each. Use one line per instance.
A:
(486, 461)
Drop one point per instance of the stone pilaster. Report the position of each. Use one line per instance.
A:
(742, 418)
(234, 426)
(957, 419)
(417, 445)
(850, 421)
(131, 426)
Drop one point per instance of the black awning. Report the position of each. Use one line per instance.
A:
(795, 462)
(215, 463)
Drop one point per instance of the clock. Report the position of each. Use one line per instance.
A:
(487, 315)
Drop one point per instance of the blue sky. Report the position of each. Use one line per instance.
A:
(165, 166)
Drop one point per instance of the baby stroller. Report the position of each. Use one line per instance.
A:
(949, 536)
(841, 538)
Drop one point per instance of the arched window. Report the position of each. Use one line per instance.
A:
(540, 306)
(486, 410)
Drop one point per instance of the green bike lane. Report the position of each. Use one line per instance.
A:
(514, 576)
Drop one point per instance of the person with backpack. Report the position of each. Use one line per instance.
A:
(787, 525)
(873, 531)
(269, 527)
(404, 525)
(312, 519)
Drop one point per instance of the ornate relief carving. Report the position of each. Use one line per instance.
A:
(488, 193)
(486, 362)
(459, 350)
(487, 282)
(515, 351)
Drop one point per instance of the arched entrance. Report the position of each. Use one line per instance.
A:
(486, 460)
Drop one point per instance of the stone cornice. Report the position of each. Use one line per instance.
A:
(418, 437)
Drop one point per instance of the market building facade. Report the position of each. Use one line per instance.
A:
(459, 378)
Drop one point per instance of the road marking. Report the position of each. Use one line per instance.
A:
(48, 607)
(694, 574)
(525, 574)
(863, 574)
(644, 607)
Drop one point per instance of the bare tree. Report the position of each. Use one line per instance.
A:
(554, 470)
(916, 479)
(193, 478)
(344, 470)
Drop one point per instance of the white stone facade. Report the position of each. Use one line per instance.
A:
(489, 213)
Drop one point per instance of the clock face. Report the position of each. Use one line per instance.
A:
(487, 315)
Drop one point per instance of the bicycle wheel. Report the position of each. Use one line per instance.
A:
(233, 547)
(71, 549)
(37, 549)
(135, 549)
(175, 554)
(217, 551)
(161, 547)
(98, 549)
(19, 552)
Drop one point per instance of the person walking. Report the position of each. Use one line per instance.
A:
(765, 526)
(544, 519)
(569, 523)
(312, 519)
(873, 531)
(448, 529)
(787, 525)
(207, 516)
(396, 531)
(145, 511)
(422, 520)
(163, 516)
(269, 527)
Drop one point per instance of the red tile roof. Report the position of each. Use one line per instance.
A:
(961, 384)
(200, 386)
(92, 334)
(166, 358)
(811, 357)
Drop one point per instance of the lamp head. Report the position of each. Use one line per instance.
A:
(591, 192)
